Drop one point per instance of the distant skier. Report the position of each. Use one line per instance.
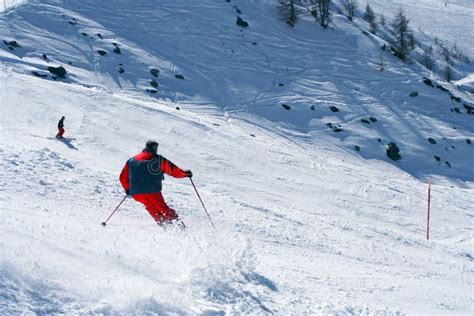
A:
(60, 128)
(142, 177)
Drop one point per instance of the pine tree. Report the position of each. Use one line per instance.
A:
(411, 40)
(369, 16)
(448, 73)
(288, 11)
(320, 10)
(446, 55)
(382, 20)
(401, 32)
(427, 60)
(350, 6)
(368, 12)
(325, 17)
(459, 54)
(381, 63)
(373, 27)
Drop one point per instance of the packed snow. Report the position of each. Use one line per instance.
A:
(305, 224)
(448, 20)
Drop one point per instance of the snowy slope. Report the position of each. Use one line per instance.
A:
(305, 224)
(445, 19)
(291, 236)
(8, 5)
(248, 71)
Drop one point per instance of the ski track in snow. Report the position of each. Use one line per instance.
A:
(352, 83)
(304, 225)
(279, 261)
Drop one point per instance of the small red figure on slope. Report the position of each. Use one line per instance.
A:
(60, 128)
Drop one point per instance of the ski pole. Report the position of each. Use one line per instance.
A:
(428, 213)
(105, 223)
(192, 182)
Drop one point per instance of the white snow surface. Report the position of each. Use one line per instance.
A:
(7, 5)
(449, 20)
(305, 224)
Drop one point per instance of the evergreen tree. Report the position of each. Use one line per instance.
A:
(411, 40)
(320, 10)
(368, 12)
(288, 11)
(402, 33)
(373, 27)
(448, 73)
(382, 19)
(459, 54)
(446, 54)
(351, 7)
(427, 60)
(381, 63)
(369, 16)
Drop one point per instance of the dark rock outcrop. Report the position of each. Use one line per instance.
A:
(393, 152)
(58, 71)
(241, 22)
(154, 72)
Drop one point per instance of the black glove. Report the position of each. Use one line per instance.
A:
(189, 174)
(127, 192)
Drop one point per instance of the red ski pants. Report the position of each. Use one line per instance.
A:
(156, 206)
(60, 132)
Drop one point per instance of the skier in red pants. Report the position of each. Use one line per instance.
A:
(60, 128)
(142, 177)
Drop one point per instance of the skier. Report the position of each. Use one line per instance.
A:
(141, 178)
(60, 128)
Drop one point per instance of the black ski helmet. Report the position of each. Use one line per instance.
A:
(151, 146)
